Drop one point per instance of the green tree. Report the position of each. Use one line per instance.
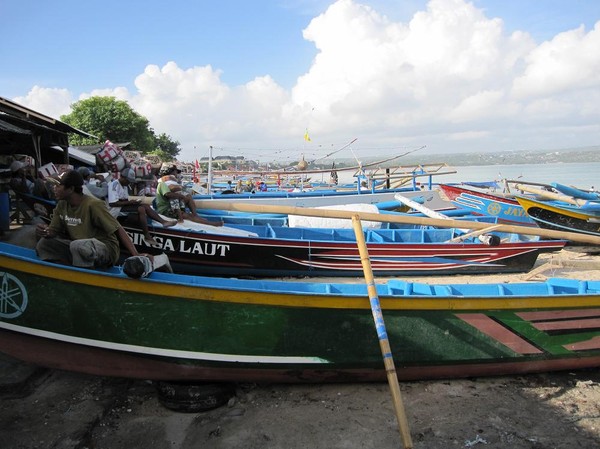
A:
(166, 147)
(110, 119)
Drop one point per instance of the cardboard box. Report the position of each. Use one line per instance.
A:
(47, 170)
(142, 169)
(109, 152)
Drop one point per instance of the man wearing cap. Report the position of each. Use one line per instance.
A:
(82, 232)
(23, 181)
(120, 204)
(165, 195)
(19, 182)
(97, 188)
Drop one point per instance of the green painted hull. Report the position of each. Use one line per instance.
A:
(107, 324)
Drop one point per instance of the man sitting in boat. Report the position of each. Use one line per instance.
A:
(119, 204)
(173, 202)
(82, 232)
(93, 184)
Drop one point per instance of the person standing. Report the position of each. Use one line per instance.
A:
(120, 204)
(82, 232)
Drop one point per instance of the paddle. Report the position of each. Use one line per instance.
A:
(551, 195)
(467, 224)
(384, 343)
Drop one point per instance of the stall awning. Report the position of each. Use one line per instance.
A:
(78, 155)
(9, 127)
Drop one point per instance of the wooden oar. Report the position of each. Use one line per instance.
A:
(551, 195)
(384, 343)
(388, 218)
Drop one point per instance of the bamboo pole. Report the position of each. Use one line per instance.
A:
(551, 195)
(389, 218)
(476, 233)
(384, 343)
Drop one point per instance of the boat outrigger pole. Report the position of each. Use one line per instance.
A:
(209, 176)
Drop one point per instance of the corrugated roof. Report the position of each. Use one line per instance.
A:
(9, 127)
(16, 110)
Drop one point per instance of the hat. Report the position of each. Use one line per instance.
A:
(84, 171)
(129, 174)
(167, 168)
(71, 178)
(16, 166)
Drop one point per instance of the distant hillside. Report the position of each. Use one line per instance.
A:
(583, 154)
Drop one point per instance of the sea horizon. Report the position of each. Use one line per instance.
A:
(584, 175)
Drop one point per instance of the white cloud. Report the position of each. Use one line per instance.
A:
(569, 62)
(48, 101)
(450, 78)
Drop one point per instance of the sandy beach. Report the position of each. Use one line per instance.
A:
(53, 409)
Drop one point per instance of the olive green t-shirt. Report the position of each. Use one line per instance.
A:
(91, 219)
(162, 202)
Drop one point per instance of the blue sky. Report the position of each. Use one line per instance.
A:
(55, 53)
(83, 45)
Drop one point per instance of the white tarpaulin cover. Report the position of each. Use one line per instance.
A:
(297, 221)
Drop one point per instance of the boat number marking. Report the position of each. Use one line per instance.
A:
(13, 296)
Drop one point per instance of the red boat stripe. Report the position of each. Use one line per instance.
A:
(559, 314)
(495, 330)
(593, 343)
(592, 323)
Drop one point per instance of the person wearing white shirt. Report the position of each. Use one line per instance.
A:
(93, 184)
(119, 204)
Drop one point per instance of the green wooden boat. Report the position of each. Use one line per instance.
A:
(176, 327)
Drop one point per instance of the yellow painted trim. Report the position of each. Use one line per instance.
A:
(282, 299)
(526, 203)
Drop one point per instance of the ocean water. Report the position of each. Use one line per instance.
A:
(585, 175)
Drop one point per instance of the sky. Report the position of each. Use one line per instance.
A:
(255, 78)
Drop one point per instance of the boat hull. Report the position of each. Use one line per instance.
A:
(170, 327)
(391, 253)
(555, 217)
(506, 210)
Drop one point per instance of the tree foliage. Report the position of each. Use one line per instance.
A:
(166, 148)
(114, 120)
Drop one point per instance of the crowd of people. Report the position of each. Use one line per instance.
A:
(84, 230)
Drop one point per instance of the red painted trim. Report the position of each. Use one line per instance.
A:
(593, 343)
(495, 330)
(559, 314)
(593, 323)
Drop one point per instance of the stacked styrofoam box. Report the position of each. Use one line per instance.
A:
(112, 157)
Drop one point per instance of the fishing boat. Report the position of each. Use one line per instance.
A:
(562, 216)
(318, 198)
(265, 250)
(482, 201)
(188, 328)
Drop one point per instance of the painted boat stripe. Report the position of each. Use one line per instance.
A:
(592, 323)
(558, 315)
(162, 352)
(528, 203)
(301, 300)
(498, 332)
(592, 343)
